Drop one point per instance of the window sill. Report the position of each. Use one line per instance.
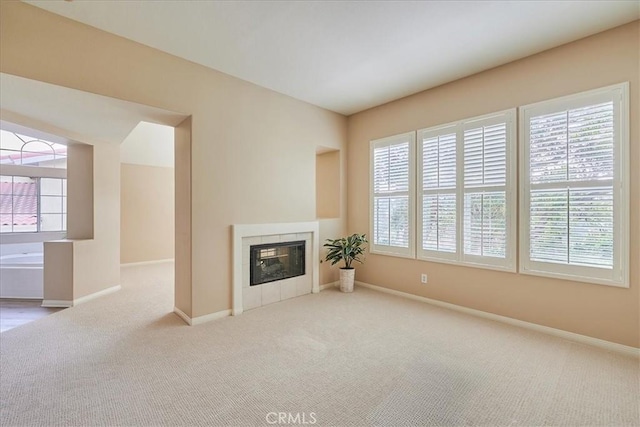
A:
(454, 262)
(393, 254)
(43, 236)
(575, 278)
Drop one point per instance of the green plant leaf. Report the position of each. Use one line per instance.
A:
(346, 249)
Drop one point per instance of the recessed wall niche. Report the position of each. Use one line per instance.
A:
(327, 183)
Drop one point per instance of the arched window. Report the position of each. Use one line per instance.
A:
(32, 201)
(17, 149)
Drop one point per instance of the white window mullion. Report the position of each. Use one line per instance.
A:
(568, 260)
(575, 184)
(460, 192)
(487, 188)
(38, 205)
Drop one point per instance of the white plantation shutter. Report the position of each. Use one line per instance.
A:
(466, 184)
(484, 211)
(392, 187)
(485, 224)
(572, 190)
(437, 182)
(488, 182)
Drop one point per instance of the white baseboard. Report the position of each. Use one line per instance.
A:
(182, 315)
(134, 264)
(54, 303)
(582, 339)
(201, 319)
(95, 295)
(81, 300)
(209, 317)
(329, 285)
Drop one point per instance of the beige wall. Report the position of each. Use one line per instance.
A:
(599, 311)
(80, 195)
(96, 262)
(183, 242)
(329, 229)
(253, 151)
(252, 148)
(146, 213)
(89, 261)
(328, 185)
(149, 144)
(330, 205)
(58, 271)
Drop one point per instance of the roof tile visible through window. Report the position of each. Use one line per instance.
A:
(26, 208)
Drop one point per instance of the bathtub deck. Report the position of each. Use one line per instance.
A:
(16, 312)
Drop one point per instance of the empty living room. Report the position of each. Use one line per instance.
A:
(332, 213)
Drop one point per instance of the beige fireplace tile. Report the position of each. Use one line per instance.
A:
(289, 288)
(246, 255)
(270, 292)
(304, 236)
(303, 285)
(308, 252)
(289, 237)
(248, 241)
(246, 277)
(271, 239)
(251, 297)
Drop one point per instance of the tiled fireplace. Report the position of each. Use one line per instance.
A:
(268, 266)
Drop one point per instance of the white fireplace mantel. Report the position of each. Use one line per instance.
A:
(241, 231)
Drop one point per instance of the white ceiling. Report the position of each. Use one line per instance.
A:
(149, 144)
(348, 56)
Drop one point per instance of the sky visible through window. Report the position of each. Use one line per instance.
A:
(31, 204)
(17, 149)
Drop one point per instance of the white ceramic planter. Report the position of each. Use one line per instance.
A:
(347, 277)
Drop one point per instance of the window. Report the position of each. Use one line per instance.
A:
(574, 187)
(32, 204)
(438, 188)
(392, 198)
(53, 204)
(17, 149)
(467, 190)
(33, 188)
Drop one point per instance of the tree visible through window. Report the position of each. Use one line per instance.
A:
(466, 180)
(574, 204)
(392, 198)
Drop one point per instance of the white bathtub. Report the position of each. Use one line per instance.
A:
(21, 275)
(22, 260)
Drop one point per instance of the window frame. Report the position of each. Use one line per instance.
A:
(428, 254)
(508, 263)
(618, 275)
(374, 248)
(38, 173)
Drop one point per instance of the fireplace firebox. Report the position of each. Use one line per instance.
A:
(276, 261)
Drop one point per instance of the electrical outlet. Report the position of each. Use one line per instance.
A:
(423, 278)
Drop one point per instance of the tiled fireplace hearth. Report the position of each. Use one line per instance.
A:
(272, 239)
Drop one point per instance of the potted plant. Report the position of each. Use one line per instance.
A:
(347, 249)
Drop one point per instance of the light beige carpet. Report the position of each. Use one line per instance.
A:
(365, 358)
